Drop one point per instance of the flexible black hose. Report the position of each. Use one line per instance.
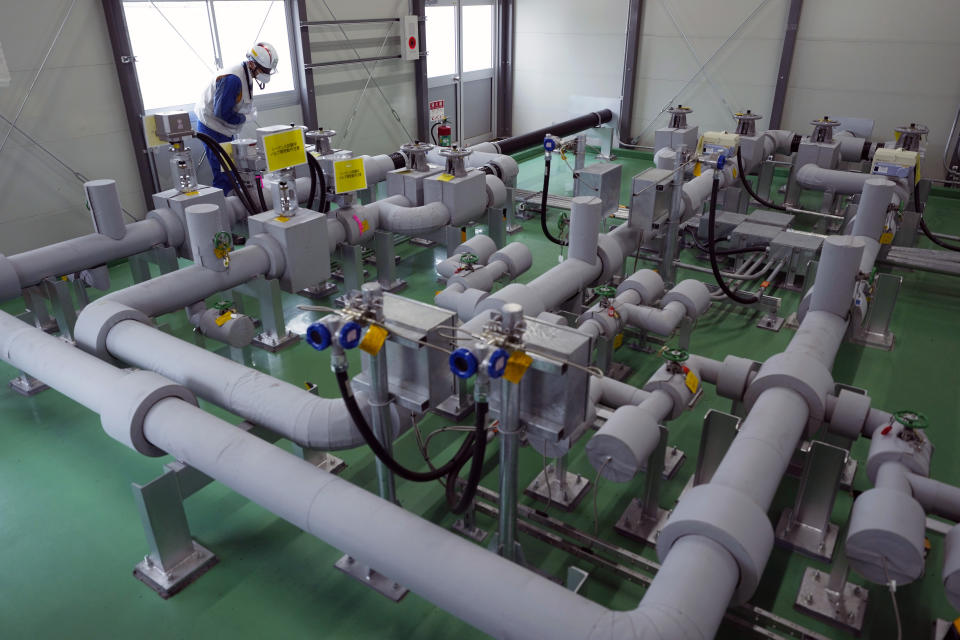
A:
(543, 205)
(712, 249)
(753, 194)
(458, 460)
(432, 132)
(263, 202)
(476, 466)
(321, 183)
(232, 172)
(923, 223)
(313, 182)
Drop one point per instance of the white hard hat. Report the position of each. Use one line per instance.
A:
(264, 55)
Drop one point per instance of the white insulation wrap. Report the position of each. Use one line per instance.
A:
(840, 258)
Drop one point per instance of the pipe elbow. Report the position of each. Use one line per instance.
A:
(413, 220)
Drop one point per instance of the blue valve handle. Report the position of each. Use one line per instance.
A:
(349, 335)
(463, 363)
(497, 363)
(721, 160)
(318, 336)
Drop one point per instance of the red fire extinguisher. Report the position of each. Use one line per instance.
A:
(444, 132)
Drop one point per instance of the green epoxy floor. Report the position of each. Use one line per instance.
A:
(70, 533)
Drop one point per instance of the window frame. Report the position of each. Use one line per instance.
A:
(261, 101)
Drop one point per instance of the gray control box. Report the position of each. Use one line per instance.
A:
(602, 180)
(465, 198)
(305, 246)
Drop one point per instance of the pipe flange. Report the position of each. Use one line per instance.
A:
(693, 294)
(356, 222)
(731, 520)
(9, 280)
(891, 444)
(885, 540)
(674, 385)
(95, 322)
(516, 256)
(172, 225)
(611, 258)
(849, 413)
(480, 245)
(951, 566)
(278, 261)
(623, 444)
(800, 373)
(507, 167)
(734, 376)
(647, 283)
(496, 193)
(132, 398)
(610, 325)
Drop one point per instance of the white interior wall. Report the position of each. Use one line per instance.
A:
(568, 59)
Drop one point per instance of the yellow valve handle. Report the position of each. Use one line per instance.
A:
(517, 365)
(224, 318)
(886, 237)
(692, 381)
(373, 339)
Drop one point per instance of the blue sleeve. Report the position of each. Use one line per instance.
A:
(227, 97)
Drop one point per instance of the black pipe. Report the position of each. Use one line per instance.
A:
(399, 160)
(458, 460)
(568, 127)
(263, 202)
(712, 246)
(476, 466)
(231, 169)
(320, 181)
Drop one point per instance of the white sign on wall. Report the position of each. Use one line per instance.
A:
(436, 111)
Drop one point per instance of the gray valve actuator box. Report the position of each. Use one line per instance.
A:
(303, 238)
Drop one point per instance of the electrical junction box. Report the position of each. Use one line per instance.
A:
(719, 142)
(773, 218)
(282, 146)
(749, 234)
(894, 163)
(673, 138)
(173, 125)
(465, 197)
(650, 203)
(724, 224)
(409, 183)
(796, 249)
(602, 180)
(303, 238)
(411, 38)
(178, 202)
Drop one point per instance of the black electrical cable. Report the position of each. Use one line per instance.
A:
(724, 252)
(313, 181)
(923, 223)
(232, 172)
(458, 460)
(263, 202)
(321, 183)
(712, 249)
(753, 194)
(476, 466)
(543, 205)
(432, 132)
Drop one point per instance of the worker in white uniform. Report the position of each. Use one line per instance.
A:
(227, 102)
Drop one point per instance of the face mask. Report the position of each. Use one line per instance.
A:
(262, 79)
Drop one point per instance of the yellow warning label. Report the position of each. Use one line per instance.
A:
(349, 175)
(886, 237)
(517, 365)
(445, 177)
(191, 193)
(692, 381)
(284, 149)
(281, 219)
(150, 129)
(373, 340)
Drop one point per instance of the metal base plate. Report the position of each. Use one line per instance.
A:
(338, 274)
(27, 385)
(422, 242)
(848, 474)
(633, 525)
(379, 583)
(332, 464)
(672, 460)
(514, 228)
(806, 539)
(393, 287)
(273, 345)
(169, 583)
(451, 408)
(814, 600)
(474, 533)
(619, 372)
(770, 322)
(883, 341)
(319, 292)
(566, 495)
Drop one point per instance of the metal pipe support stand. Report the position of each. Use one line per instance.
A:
(273, 336)
(644, 518)
(558, 487)
(806, 526)
(831, 598)
(386, 260)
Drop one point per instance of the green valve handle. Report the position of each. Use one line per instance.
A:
(605, 291)
(469, 259)
(912, 419)
(223, 306)
(675, 355)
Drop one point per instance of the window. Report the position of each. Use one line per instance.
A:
(180, 46)
(441, 41)
(477, 38)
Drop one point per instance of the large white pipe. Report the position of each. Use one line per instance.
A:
(285, 409)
